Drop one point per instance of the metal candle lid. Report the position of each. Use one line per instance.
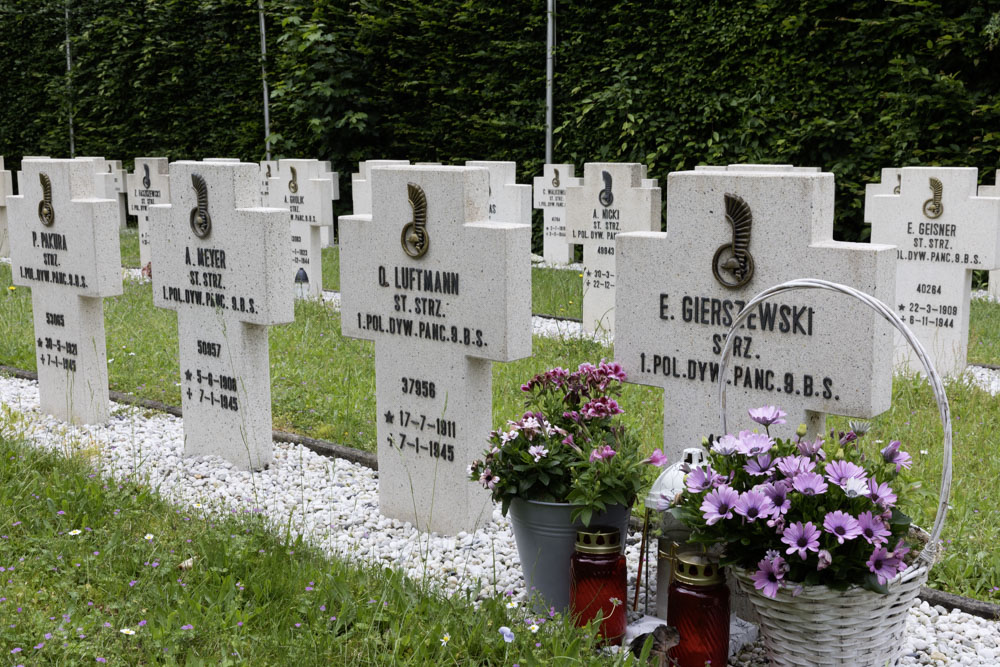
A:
(599, 540)
(694, 567)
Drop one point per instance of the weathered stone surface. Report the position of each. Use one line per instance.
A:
(438, 319)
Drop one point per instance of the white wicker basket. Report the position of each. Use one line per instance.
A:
(856, 627)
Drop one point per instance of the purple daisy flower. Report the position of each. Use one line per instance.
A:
(767, 415)
(881, 494)
(752, 444)
(768, 577)
(726, 445)
(813, 450)
(790, 466)
(839, 471)
(893, 454)
(882, 564)
(809, 484)
(754, 505)
(719, 504)
(841, 525)
(778, 495)
(899, 552)
(761, 465)
(801, 538)
(701, 479)
(872, 528)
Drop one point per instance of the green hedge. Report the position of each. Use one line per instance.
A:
(847, 86)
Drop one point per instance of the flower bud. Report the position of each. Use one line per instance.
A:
(801, 431)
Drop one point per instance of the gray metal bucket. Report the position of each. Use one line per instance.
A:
(546, 536)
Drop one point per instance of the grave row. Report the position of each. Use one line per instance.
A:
(435, 269)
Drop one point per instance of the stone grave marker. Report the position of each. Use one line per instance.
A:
(443, 291)
(110, 177)
(361, 188)
(268, 170)
(994, 279)
(550, 197)
(734, 232)
(6, 188)
(302, 189)
(612, 198)
(942, 230)
(327, 237)
(221, 261)
(64, 246)
(148, 185)
(509, 202)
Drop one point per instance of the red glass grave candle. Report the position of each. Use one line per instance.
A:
(597, 582)
(698, 606)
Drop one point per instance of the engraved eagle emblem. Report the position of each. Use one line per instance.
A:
(201, 221)
(933, 208)
(414, 237)
(46, 213)
(555, 179)
(899, 184)
(293, 185)
(732, 263)
(145, 179)
(606, 197)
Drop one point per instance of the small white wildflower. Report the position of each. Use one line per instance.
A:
(148, 537)
(75, 531)
(512, 604)
(127, 631)
(445, 638)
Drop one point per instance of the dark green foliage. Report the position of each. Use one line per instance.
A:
(847, 86)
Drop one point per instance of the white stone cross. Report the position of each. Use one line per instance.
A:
(64, 246)
(611, 199)
(550, 197)
(942, 230)
(992, 191)
(148, 185)
(327, 237)
(110, 178)
(443, 291)
(734, 232)
(221, 261)
(361, 185)
(303, 187)
(268, 170)
(6, 188)
(509, 202)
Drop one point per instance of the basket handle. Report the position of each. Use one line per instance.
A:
(932, 375)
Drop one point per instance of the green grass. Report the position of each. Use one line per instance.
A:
(984, 332)
(250, 597)
(331, 269)
(323, 386)
(557, 292)
(129, 240)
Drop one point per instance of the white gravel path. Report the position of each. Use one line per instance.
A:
(334, 503)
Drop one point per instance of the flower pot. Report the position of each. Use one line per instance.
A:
(546, 535)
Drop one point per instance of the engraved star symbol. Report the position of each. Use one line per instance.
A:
(187, 375)
(388, 416)
(902, 307)
(39, 342)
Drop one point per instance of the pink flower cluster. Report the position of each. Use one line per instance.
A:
(588, 379)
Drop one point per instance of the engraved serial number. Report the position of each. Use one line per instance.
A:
(55, 319)
(926, 288)
(421, 388)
